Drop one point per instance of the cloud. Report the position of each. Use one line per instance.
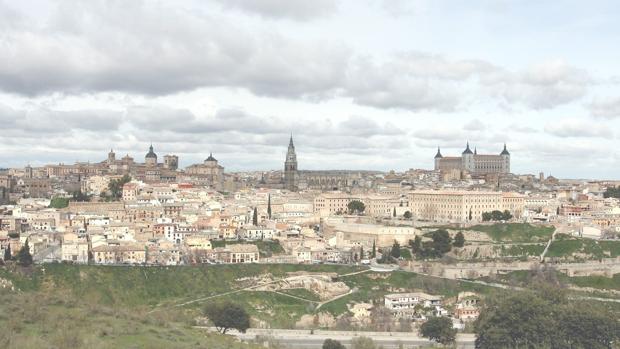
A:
(44, 120)
(541, 86)
(149, 48)
(298, 10)
(474, 125)
(578, 128)
(131, 47)
(605, 108)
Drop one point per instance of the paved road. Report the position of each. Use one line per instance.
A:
(304, 339)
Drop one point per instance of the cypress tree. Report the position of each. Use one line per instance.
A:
(374, 249)
(255, 217)
(7, 253)
(269, 207)
(24, 257)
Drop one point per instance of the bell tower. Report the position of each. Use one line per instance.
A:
(290, 167)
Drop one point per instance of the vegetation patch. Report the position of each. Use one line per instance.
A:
(566, 246)
(516, 232)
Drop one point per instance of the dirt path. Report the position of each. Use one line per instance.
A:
(542, 256)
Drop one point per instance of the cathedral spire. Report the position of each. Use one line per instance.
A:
(467, 150)
(505, 151)
(438, 155)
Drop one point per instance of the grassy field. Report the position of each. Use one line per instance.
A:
(565, 246)
(148, 288)
(599, 282)
(40, 319)
(515, 232)
(302, 293)
(265, 248)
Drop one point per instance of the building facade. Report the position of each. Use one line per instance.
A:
(462, 206)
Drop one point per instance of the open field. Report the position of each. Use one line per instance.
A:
(581, 249)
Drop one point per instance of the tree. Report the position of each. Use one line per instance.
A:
(362, 343)
(59, 202)
(439, 329)
(459, 240)
(115, 187)
(416, 244)
(374, 249)
(470, 214)
(255, 217)
(227, 315)
(497, 215)
(269, 207)
(361, 252)
(332, 344)
(407, 215)
(442, 242)
(356, 207)
(394, 212)
(79, 196)
(395, 251)
(24, 258)
(7, 253)
(612, 192)
(486, 216)
(544, 319)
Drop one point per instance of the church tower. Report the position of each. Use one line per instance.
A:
(467, 159)
(111, 157)
(438, 158)
(506, 160)
(290, 167)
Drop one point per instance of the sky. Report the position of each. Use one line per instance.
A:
(361, 84)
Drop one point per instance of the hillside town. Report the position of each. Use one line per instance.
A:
(121, 212)
(151, 213)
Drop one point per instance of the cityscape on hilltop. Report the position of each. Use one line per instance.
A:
(325, 174)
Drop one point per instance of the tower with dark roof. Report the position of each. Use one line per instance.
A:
(468, 159)
(438, 158)
(290, 167)
(506, 159)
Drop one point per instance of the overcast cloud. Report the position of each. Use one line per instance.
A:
(361, 84)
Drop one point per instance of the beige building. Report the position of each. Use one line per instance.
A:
(332, 203)
(210, 170)
(455, 206)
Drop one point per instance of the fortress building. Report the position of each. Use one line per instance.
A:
(474, 163)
